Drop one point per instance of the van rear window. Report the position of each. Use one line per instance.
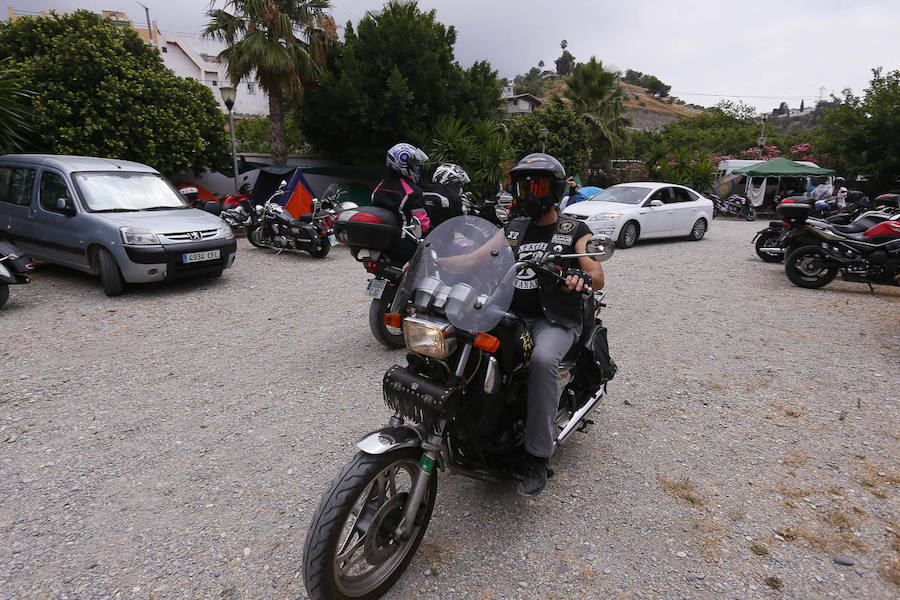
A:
(16, 185)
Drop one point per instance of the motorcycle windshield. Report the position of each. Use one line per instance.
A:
(464, 267)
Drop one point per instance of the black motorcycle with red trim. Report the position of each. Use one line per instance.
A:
(372, 233)
(14, 268)
(272, 226)
(871, 256)
(459, 403)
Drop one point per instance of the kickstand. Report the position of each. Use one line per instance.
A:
(584, 425)
(871, 289)
(280, 250)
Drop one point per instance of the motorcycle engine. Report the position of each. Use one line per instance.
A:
(280, 241)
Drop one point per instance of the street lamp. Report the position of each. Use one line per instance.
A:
(228, 96)
(543, 132)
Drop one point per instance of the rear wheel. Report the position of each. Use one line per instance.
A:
(749, 212)
(628, 236)
(768, 240)
(110, 276)
(698, 230)
(351, 550)
(804, 267)
(4, 294)
(390, 337)
(322, 250)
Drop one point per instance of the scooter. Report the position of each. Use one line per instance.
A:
(13, 268)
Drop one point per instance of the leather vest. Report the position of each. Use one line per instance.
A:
(560, 308)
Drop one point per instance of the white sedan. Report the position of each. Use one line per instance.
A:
(646, 209)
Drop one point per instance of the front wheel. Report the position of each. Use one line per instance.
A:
(111, 279)
(804, 267)
(698, 230)
(321, 251)
(768, 240)
(628, 236)
(4, 294)
(391, 337)
(749, 213)
(351, 551)
(255, 236)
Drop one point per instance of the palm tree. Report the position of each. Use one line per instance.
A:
(14, 124)
(595, 95)
(281, 42)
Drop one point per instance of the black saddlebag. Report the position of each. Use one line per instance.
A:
(597, 350)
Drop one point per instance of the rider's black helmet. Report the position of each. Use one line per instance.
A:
(538, 182)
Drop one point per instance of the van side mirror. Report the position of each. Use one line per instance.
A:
(213, 207)
(65, 206)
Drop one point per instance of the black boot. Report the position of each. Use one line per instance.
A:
(534, 476)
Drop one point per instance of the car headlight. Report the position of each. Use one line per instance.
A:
(225, 231)
(429, 337)
(137, 237)
(603, 217)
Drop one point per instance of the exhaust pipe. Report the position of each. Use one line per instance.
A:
(580, 414)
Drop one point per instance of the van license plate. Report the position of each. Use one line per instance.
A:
(191, 257)
(376, 287)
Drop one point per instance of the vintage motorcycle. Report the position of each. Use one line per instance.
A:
(372, 233)
(459, 404)
(14, 266)
(272, 226)
(872, 256)
(733, 206)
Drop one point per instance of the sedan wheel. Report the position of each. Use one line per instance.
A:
(628, 236)
(699, 230)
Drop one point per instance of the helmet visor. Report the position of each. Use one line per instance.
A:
(533, 185)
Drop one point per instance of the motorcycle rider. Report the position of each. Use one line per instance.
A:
(399, 192)
(443, 196)
(839, 193)
(551, 312)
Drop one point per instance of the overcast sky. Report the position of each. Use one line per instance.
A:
(760, 51)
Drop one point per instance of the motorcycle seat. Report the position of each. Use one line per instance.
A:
(851, 228)
(304, 218)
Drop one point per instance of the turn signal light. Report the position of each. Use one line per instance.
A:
(393, 319)
(487, 342)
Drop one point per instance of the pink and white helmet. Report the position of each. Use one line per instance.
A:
(407, 160)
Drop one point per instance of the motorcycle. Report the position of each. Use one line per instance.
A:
(459, 405)
(779, 238)
(495, 209)
(733, 206)
(272, 226)
(14, 266)
(372, 232)
(872, 256)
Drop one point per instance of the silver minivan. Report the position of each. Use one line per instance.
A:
(117, 219)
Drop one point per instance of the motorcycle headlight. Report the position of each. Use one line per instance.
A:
(604, 217)
(137, 237)
(225, 231)
(429, 337)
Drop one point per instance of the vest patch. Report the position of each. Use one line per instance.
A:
(566, 226)
(561, 239)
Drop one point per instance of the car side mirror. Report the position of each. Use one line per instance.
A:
(65, 206)
(213, 207)
(656, 203)
(600, 247)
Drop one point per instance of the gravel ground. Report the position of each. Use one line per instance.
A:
(174, 442)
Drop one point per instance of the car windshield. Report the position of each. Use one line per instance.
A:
(623, 195)
(125, 192)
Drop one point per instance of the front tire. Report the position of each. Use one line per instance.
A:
(749, 213)
(768, 240)
(389, 337)
(4, 294)
(321, 251)
(629, 235)
(350, 550)
(803, 268)
(698, 230)
(255, 236)
(110, 276)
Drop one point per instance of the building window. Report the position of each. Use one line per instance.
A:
(164, 50)
(215, 83)
(251, 89)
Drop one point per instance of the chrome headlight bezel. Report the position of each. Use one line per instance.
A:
(429, 337)
(133, 236)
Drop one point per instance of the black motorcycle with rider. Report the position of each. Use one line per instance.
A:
(464, 401)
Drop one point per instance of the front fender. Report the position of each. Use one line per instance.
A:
(390, 438)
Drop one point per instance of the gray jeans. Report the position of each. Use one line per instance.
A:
(551, 342)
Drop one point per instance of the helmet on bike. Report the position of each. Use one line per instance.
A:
(838, 181)
(538, 182)
(451, 175)
(407, 160)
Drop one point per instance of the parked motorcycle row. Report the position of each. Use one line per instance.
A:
(14, 268)
(861, 243)
(733, 206)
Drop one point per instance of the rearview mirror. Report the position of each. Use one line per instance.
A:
(600, 247)
(65, 206)
(656, 203)
(282, 185)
